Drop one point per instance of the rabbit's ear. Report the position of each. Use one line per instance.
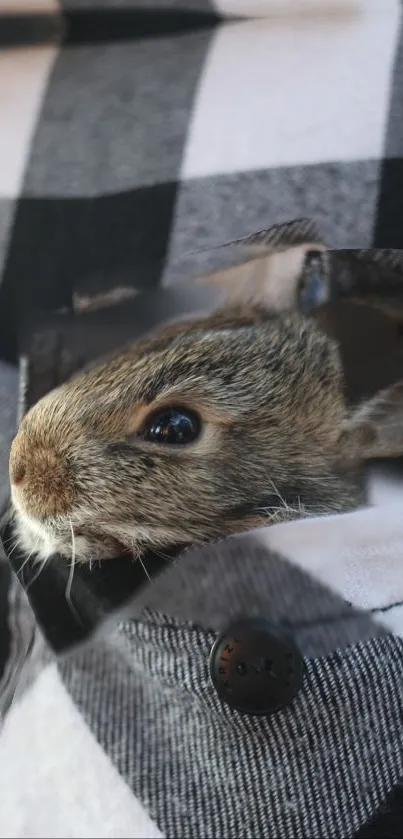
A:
(375, 428)
(280, 279)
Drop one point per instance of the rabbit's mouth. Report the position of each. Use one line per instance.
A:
(43, 539)
(76, 542)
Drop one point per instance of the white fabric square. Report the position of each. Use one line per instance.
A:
(23, 77)
(302, 90)
(358, 554)
(56, 780)
(269, 8)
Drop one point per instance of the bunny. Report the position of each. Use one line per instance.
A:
(210, 426)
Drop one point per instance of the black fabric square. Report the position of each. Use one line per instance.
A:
(82, 245)
(99, 25)
(388, 230)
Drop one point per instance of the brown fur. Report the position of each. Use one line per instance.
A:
(278, 440)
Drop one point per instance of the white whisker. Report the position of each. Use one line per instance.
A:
(13, 549)
(26, 560)
(38, 574)
(158, 552)
(279, 496)
(71, 574)
(7, 541)
(144, 569)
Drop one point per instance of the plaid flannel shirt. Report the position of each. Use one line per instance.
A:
(136, 138)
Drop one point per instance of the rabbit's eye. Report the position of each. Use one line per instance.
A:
(176, 426)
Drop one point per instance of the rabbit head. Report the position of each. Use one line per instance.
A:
(207, 427)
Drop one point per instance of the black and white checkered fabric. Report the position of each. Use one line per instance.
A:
(137, 136)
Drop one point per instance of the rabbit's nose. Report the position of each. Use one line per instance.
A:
(17, 462)
(41, 480)
(17, 472)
